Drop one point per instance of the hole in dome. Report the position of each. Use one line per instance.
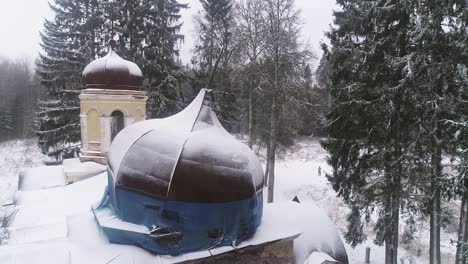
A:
(171, 215)
(214, 233)
(165, 238)
(243, 229)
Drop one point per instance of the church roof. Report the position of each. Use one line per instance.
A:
(188, 157)
(112, 72)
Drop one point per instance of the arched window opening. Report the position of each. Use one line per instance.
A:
(117, 123)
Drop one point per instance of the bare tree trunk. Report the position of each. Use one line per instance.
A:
(434, 247)
(272, 156)
(462, 248)
(251, 134)
(267, 169)
(388, 253)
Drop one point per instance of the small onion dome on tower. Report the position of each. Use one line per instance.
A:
(112, 72)
(186, 179)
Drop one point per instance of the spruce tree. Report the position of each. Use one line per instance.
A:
(372, 121)
(160, 66)
(438, 65)
(148, 34)
(69, 41)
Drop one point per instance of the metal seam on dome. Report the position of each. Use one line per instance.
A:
(183, 145)
(216, 122)
(199, 110)
(126, 153)
(174, 168)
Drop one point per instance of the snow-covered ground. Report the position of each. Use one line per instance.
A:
(15, 155)
(297, 174)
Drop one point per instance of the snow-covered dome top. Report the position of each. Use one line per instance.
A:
(112, 72)
(188, 157)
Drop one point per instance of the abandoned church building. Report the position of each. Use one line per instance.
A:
(174, 190)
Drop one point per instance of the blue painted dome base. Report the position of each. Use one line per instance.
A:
(173, 228)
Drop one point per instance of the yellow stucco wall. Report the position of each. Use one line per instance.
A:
(106, 107)
(97, 107)
(93, 129)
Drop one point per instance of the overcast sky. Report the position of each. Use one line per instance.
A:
(21, 21)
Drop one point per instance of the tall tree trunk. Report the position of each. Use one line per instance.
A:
(391, 243)
(251, 134)
(394, 176)
(272, 156)
(395, 219)
(391, 229)
(388, 252)
(462, 248)
(267, 169)
(434, 247)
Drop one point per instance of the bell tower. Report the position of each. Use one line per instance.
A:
(110, 101)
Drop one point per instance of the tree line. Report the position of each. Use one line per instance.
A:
(18, 96)
(397, 124)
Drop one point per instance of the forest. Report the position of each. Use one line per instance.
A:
(388, 99)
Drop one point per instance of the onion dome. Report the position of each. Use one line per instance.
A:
(112, 72)
(186, 179)
(188, 157)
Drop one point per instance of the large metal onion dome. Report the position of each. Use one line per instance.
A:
(112, 72)
(186, 179)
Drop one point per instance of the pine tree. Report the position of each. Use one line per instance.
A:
(70, 41)
(372, 121)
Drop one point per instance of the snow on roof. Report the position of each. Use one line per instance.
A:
(319, 257)
(112, 72)
(43, 177)
(130, 134)
(75, 170)
(110, 61)
(57, 226)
